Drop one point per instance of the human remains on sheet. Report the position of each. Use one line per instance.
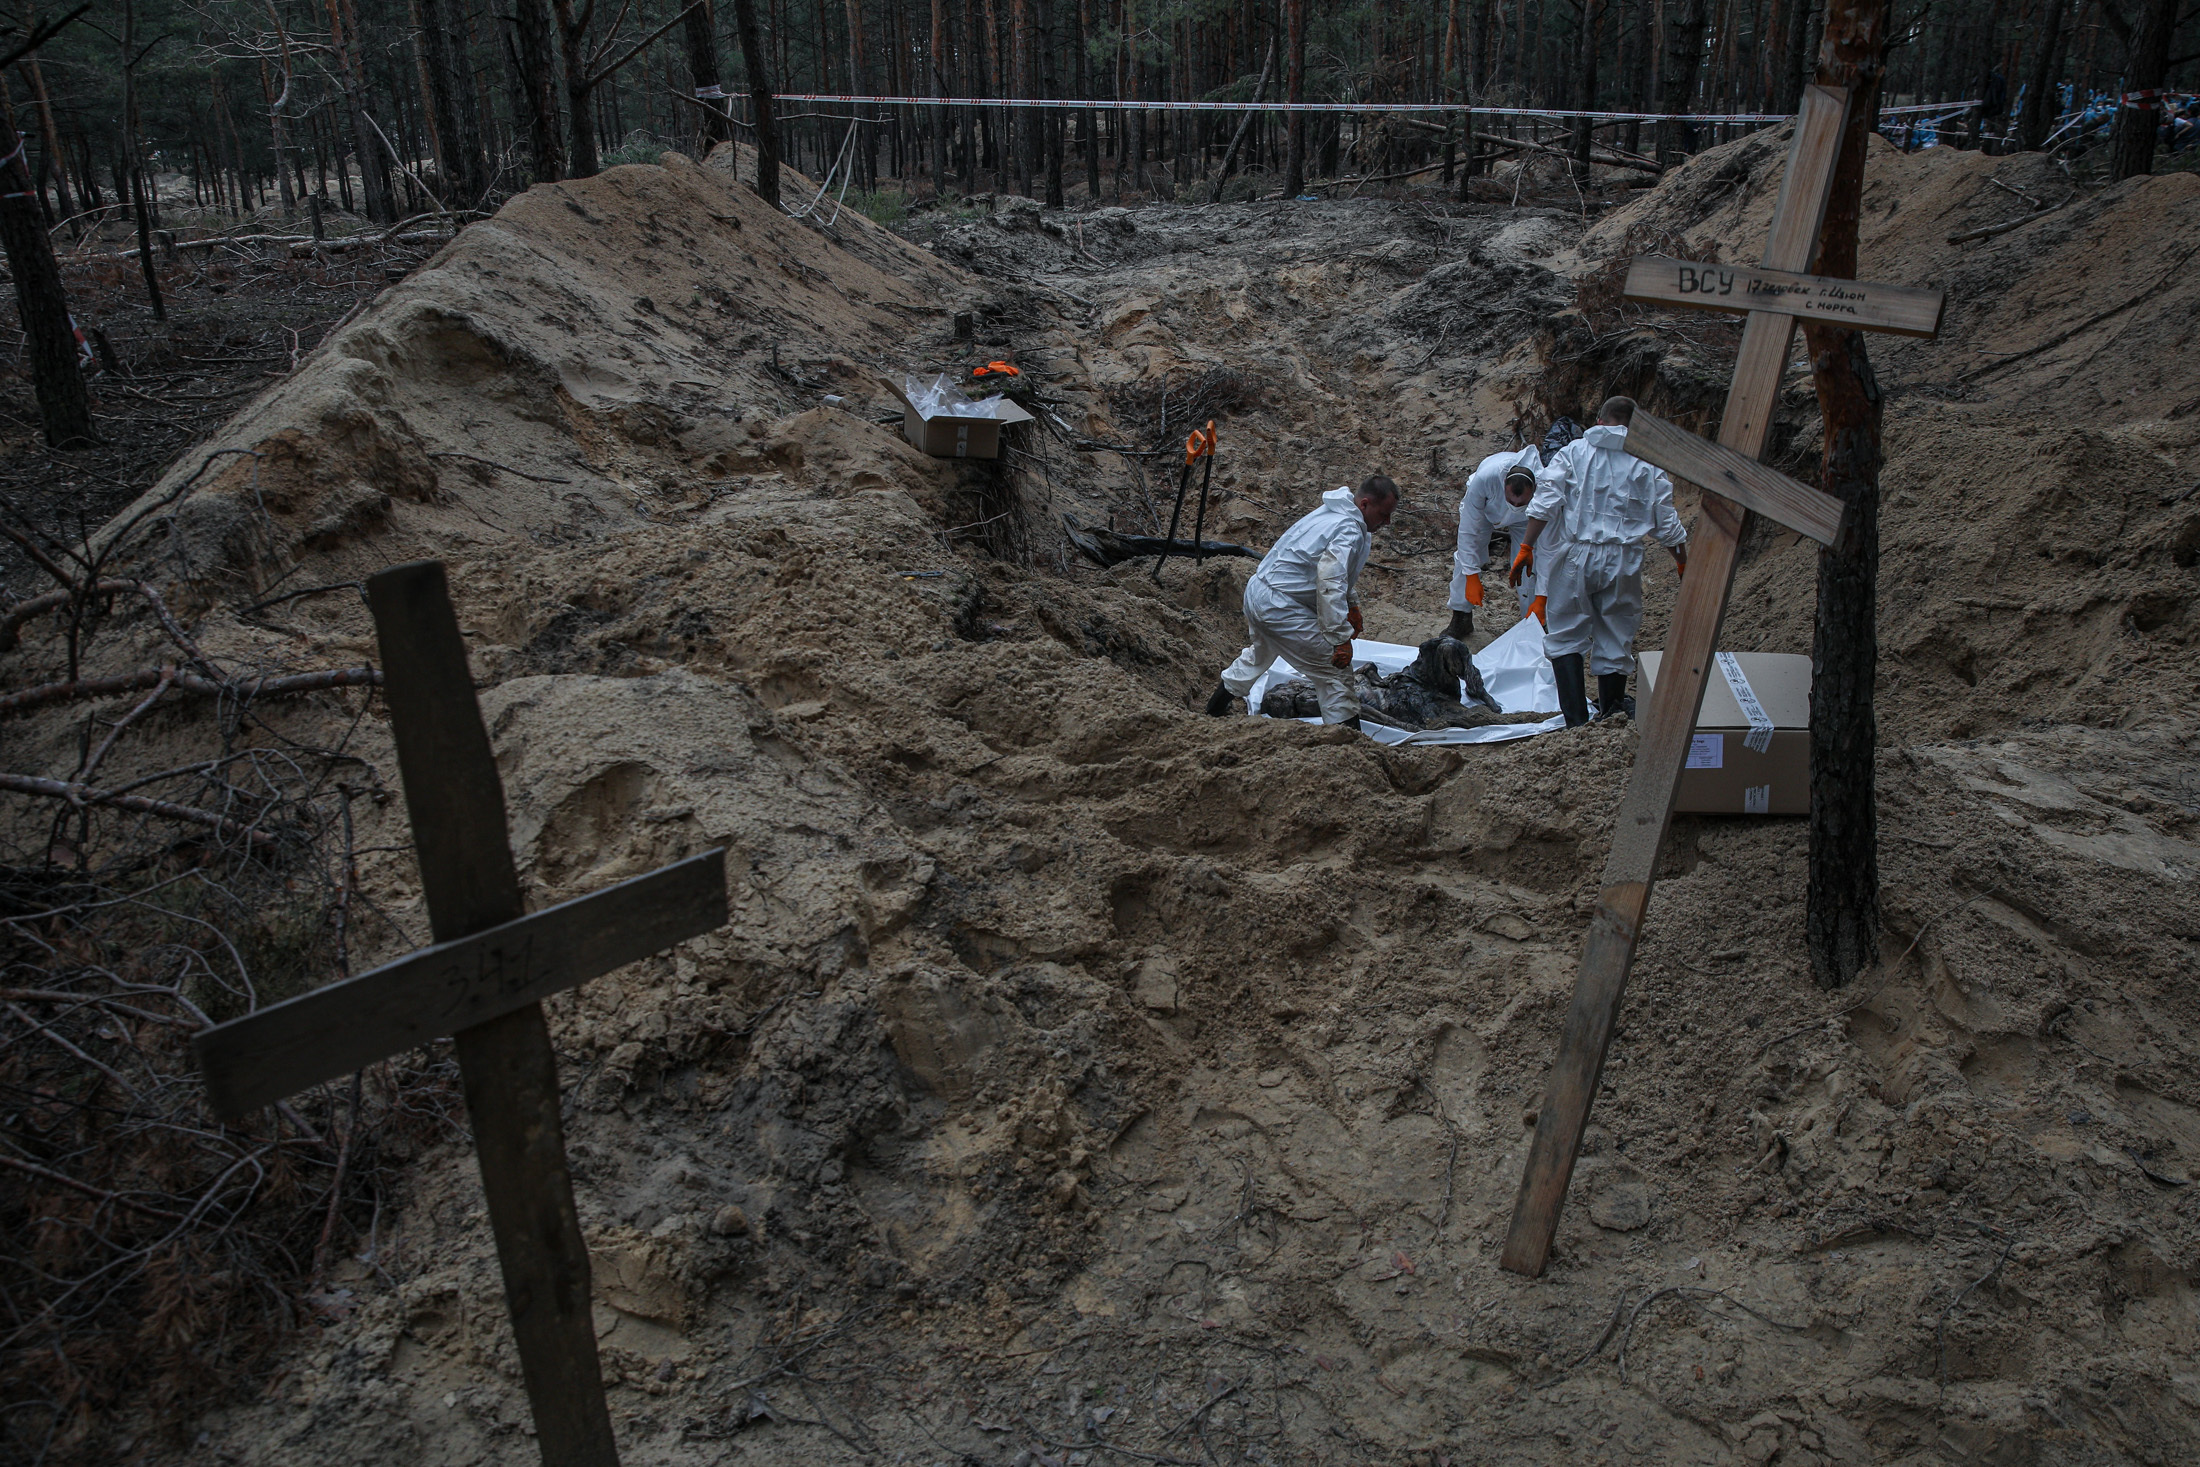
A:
(1423, 696)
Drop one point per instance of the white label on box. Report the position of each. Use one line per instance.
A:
(1707, 751)
(1757, 799)
(1759, 737)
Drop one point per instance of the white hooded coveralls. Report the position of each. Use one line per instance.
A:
(1608, 501)
(1296, 604)
(1483, 510)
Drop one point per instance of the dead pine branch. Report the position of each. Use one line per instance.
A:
(239, 689)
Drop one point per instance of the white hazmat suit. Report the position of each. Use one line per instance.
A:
(1609, 502)
(1483, 511)
(1297, 604)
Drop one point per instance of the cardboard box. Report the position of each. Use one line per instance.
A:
(970, 430)
(1725, 776)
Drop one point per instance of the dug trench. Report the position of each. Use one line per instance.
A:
(1084, 1078)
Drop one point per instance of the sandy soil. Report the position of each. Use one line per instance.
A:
(1080, 1070)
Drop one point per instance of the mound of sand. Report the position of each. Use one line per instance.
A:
(1077, 1068)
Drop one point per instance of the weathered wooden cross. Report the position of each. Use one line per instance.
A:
(1735, 486)
(481, 983)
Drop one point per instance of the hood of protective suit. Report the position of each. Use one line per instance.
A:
(1607, 436)
(1341, 498)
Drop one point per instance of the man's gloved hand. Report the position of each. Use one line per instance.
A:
(1352, 614)
(1341, 658)
(1680, 560)
(1473, 589)
(1535, 609)
(1523, 565)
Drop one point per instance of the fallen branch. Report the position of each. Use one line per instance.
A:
(355, 241)
(1106, 548)
(11, 623)
(2008, 224)
(1609, 159)
(87, 1188)
(78, 794)
(244, 690)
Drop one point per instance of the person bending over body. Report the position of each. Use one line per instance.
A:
(1609, 501)
(1497, 498)
(1302, 604)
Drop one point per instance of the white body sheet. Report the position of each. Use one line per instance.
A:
(1513, 668)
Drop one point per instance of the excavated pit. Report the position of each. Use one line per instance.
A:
(1079, 1069)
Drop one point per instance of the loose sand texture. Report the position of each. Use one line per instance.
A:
(1079, 1069)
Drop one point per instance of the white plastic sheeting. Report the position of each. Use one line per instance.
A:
(943, 398)
(1513, 668)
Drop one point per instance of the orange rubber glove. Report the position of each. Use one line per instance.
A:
(1523, 564)
(1474, 589)
(1680, 563)
(1359, 627)
(1341, 658)
(1535, 609)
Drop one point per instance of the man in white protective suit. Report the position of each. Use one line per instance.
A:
(1497, 498)
(1591, 575)
(1302, 604)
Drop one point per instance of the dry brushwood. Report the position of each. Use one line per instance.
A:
(135, 912)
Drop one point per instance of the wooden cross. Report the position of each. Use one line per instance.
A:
(482, 984)
(1735, 486)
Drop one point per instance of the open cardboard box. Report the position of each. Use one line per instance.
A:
(1724, 775)
(939, 420)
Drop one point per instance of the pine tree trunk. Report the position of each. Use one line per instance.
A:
(702, 60)
(534, 56)
(2039, 114)
(581, 158)
(2137, 123)
(1683, 58)
(1051, 121)
(51, 137)
(64, 403)
(128, 169)
(754, 59)
(1842, 920)
(936, 67)
(450, 108)
(1294, 167)
(1592, 20)
(374, 171)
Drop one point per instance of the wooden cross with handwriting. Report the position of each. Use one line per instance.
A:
(1735, 485)
(482, 984)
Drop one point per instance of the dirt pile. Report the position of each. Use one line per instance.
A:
(1080, 1070)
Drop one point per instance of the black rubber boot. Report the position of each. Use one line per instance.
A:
(1219, 701)
(1612, 695)
(1353, 723)
(1573, 697)
(1462, 622)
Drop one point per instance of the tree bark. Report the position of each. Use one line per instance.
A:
(2039, 114)
(452, 119)
(702, 59)
(64, 403)
(2137, 122)
(936, 67)
(52, 138)
(534, 57)
(139, 204)
(754, 60)
(374, 172)
(581, 158)
(1683, 58)
(1842, 919)
(1294, 167)
(1592, 21)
